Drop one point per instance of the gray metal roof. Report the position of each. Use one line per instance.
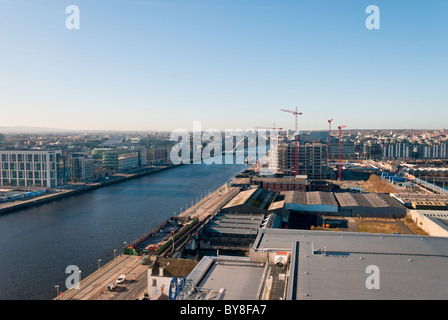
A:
(353, 241)
(239, 224)
(332, 265)
(235, 223)
(239, 277)
(298, 179)
(310, 197)
(230, 231)
(401, 276)
(372, 200)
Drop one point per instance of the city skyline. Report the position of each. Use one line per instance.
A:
(160, 65)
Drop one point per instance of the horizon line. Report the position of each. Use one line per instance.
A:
(22, 129)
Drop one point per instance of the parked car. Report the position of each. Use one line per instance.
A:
(111, 286)
(121, 279)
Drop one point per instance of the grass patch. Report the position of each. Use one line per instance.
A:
(377, 227)
(414, 228)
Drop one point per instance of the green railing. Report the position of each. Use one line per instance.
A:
(176, 236)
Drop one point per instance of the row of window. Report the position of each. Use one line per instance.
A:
(27, 174)
(26, 157)
(27, 166)
(284, 186)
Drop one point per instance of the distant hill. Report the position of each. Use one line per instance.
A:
(45, 130)
(24, 129)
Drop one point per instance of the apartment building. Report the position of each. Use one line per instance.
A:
(82, 167)
(29, 168)
(311, 160)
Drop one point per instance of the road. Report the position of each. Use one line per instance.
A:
(134, 287)
(94, 286)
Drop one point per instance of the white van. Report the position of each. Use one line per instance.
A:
(111, 286)
(121, 279)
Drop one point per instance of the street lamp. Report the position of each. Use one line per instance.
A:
(99, 260)
(115, 250)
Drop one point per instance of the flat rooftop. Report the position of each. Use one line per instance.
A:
(343, 275)
(439, 217)
(333, 265)
(238, 278)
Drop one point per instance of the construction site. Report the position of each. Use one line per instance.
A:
(242, 241)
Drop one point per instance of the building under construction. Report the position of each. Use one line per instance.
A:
(311, 160)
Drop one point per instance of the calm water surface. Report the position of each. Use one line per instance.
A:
(37, 244)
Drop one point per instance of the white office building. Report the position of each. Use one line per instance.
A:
(28, 168)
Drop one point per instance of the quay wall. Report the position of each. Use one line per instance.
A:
(56, 196)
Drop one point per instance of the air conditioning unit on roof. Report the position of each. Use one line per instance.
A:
(281, 258)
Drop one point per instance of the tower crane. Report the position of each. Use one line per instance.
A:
(340, 158)
(271, 146)
(329, 140)
(274, 128)
(296, 115)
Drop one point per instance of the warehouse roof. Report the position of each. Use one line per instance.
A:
(244, 224)
(298, 179)
(309, 198)
(335, 265)
(256, 198)
(277, 205)
(240, 198)
(229, 230)
(213, 274)
(375, 200)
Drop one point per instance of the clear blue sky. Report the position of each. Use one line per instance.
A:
(154, 65)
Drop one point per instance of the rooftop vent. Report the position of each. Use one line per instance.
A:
(281, 259)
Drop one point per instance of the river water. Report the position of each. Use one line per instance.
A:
(37, 244)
